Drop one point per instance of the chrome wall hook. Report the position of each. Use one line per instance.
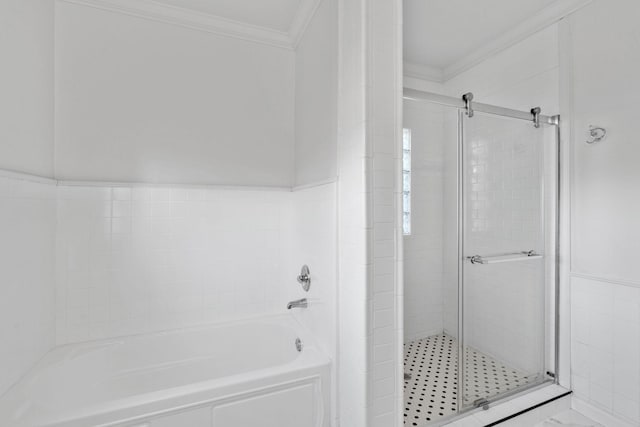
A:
(596, 134)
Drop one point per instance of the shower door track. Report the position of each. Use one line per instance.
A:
(450, 101)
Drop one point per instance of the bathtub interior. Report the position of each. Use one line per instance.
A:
(171, 359)
(111, 379)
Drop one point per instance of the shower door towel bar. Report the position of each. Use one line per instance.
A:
(494, 259)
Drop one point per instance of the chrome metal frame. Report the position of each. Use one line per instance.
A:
(460, 209)
(556, 355)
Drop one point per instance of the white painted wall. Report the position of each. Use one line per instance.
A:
(605, 175)
(139, 100)
(316, 92)
(27, 204)
(605, 303)
(27, 259)
(26, 85)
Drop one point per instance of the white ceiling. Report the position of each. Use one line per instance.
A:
(440, 33)
(275, 15)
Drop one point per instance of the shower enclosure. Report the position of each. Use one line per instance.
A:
(499, 215)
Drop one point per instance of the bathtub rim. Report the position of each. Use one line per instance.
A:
(311, 363)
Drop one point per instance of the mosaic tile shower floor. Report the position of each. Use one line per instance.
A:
(432, 391)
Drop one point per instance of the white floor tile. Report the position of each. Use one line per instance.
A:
(569, 418)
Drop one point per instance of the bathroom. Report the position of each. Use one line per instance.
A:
(319, 213)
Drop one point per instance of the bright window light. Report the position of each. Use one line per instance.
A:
(406, 181)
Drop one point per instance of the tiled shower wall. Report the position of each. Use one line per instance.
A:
(141, 259)
(605, 335)
(311, 239)
(27, 227)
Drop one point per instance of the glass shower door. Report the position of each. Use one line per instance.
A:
(504, 270)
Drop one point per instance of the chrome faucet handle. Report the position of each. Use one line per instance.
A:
(305, 278)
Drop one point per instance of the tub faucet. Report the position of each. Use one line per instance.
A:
(300, 303)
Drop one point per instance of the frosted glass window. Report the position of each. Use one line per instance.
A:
(406, 181)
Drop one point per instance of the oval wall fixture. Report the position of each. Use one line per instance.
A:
(305, 278)
(596, 134)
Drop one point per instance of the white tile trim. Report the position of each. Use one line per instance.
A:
(596, 414)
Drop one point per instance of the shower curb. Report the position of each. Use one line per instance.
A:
(524, 411)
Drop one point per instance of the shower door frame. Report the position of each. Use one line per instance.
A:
(464, 107)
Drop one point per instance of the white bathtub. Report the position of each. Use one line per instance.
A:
(244, 374)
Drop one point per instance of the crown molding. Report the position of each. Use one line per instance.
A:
(423, 72)
(156, 11)
(301, 20)
(548, 16)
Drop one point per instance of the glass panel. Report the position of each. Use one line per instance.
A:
(430, 265)
(504, 291)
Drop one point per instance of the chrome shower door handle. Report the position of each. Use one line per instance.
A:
(494, 259)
